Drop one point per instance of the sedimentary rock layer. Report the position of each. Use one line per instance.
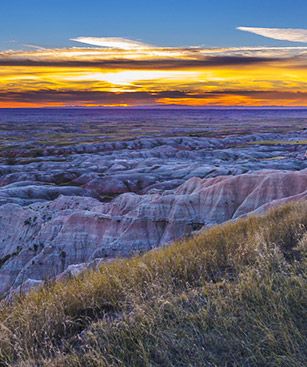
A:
(41, 240)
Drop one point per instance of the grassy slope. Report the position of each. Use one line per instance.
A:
(233, 296)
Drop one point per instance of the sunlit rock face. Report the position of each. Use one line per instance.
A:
(42, 240)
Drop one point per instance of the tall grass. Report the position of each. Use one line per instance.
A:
(235, 295)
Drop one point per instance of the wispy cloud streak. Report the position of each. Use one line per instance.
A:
(282, 34)
(112, 42)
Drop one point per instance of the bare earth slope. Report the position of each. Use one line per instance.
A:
(78, 187)
(41, 240)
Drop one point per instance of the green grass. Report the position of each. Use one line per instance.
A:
(235, 295)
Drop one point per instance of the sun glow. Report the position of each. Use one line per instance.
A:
(130, 73)
(132, 76)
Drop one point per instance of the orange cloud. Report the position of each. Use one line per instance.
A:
(125, 73)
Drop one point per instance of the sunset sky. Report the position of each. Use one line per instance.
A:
(191, 53)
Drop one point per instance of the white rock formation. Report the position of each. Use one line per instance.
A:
(44, 239)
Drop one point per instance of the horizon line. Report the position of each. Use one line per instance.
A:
(170, 107)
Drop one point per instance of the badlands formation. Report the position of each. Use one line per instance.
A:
(66, 207)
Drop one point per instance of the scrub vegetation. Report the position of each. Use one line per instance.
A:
(234, 295)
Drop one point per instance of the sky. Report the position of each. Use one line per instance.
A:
(153, 53)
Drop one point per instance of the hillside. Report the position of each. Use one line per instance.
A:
(47, 240)
(79, 188)
(234, 295)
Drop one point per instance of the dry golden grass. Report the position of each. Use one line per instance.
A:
(234, 295)
(279, 142)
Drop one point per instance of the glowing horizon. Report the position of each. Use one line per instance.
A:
(121, 72)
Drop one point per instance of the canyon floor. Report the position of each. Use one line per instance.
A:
(82, 187)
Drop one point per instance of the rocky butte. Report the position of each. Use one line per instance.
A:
(86, 190)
